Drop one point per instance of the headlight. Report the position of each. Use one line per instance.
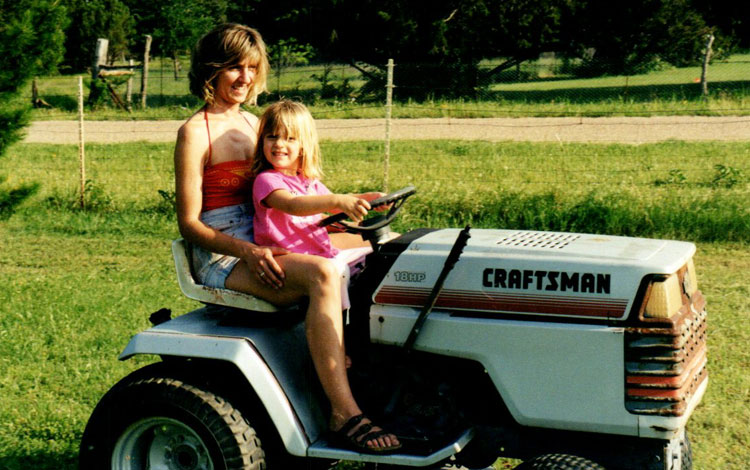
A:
(666, 297)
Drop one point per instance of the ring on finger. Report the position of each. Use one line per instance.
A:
(262, 274)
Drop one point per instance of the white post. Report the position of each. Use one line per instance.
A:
(129, 89)
(144, 71)
(81, 151)
(388, 110)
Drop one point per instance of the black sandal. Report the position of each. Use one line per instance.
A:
(358, 439)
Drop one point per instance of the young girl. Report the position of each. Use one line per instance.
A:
(287, 194)
(288, 200)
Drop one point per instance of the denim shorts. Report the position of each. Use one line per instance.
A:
(212, 269)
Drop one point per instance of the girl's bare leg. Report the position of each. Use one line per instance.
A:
(317, 278)
(345, 240)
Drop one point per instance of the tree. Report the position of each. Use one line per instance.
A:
(625, 38)
(185, 21)
(730, 18)
(147, 17)
(93, 19)
(437, 44)
(31, 43)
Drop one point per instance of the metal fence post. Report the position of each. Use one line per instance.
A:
(388, 110)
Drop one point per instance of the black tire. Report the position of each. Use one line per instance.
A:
(559, 462)
(163, 420)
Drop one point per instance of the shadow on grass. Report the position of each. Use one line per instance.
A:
(171, 101)
(11, 199)
(69, 103)
(639, 93)
(39, 460)
(591, 95)
(64, 102)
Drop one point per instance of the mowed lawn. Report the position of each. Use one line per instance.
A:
(542, 89)
(78, 284)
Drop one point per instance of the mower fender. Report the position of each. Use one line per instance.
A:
(245, 357)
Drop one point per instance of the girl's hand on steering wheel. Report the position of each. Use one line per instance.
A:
(374, 195)
(353, 206)
(264, 267)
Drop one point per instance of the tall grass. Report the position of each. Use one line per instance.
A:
(78, 283)
(696, 191)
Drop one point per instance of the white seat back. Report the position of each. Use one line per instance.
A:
(211, 295)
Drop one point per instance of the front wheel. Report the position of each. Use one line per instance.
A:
(559, 462)
(159, 422)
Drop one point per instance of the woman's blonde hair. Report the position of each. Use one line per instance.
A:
(225, 46)
(292, 119)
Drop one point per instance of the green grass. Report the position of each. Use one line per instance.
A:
(79, 284)
(698, 191)
(543, 91)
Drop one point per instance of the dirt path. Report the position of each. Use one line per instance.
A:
(635, 130)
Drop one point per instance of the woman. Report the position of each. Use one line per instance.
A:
(213, 156)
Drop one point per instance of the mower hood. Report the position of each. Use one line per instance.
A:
(529, 272)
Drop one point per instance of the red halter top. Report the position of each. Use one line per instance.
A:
(226, 183)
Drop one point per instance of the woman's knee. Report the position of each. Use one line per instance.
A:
(324, 271)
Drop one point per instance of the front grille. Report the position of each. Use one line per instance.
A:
(665, 360)
(550, 240)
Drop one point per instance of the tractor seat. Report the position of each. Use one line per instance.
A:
(211, 295)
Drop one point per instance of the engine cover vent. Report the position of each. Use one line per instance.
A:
(549, 240)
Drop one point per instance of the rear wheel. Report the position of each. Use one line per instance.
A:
(162, 423)
(559, 462)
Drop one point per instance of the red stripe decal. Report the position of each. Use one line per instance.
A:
(513, 303)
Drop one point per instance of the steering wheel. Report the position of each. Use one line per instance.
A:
(374, 223)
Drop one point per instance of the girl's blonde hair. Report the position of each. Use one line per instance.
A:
(292, 119)
(225, 46)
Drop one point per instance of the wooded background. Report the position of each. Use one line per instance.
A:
(621, 38)
(444, 49)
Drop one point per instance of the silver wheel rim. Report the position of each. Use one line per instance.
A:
(160, 444)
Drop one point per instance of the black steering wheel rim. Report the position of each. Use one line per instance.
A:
(396, 198)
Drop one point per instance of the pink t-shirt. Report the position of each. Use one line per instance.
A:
(295, 233)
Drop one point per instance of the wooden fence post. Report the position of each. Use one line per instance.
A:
(100, 57)
(34, 92)
(36, 100)
(388, 111)
(706, 59)
(81, 150)
(129, 89)
(144, 74)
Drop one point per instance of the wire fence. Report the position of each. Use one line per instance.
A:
(547, 86)
(485, 139)
(141, 175)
